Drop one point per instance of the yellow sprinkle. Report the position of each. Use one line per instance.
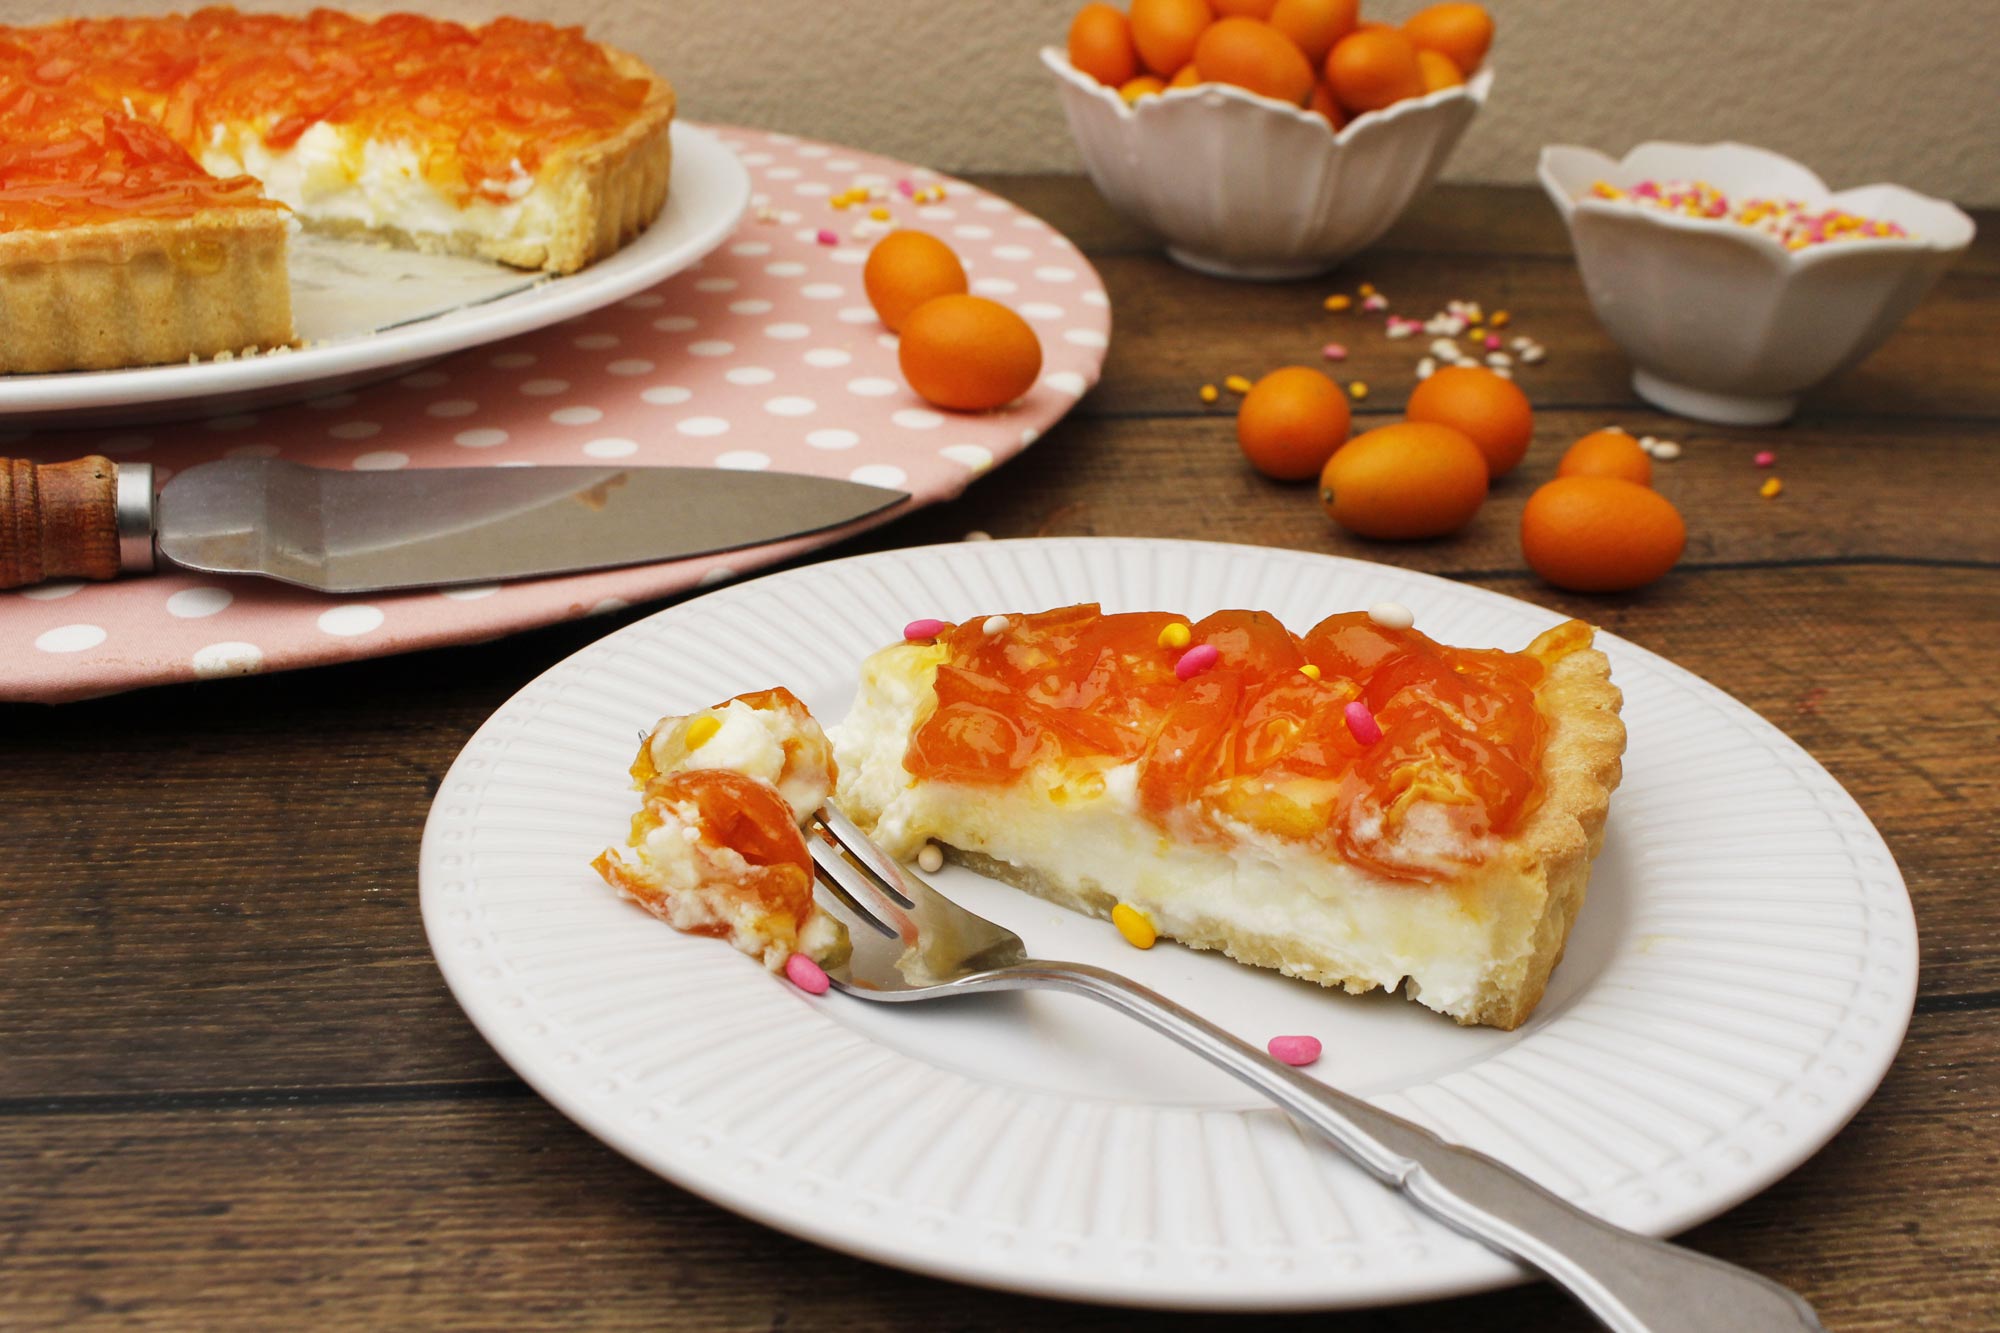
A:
(701, 731)
(840, 201)
(1366, 289)
(1309, 671)
(1337, 302)
(1358, 390)
(1134, 925)
(1237, 384)
(879, 214)
(1209, 393)
(1771, 488)
(1499, 319)
(1176, 635)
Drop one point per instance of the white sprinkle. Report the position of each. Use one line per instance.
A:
(1444, 349)
(1392, 615)
(1426, 368)
(1533, 353)
(1498, 360)
(1666, 451)
(1522, 342)
(1503, 372)
(1647, 442)
(930, 858)
(977, 536)
(994, 625)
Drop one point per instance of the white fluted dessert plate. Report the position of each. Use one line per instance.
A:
(1735, 988)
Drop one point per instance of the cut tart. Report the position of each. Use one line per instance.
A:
(716, 848)
(1360, 806)
(146, 165)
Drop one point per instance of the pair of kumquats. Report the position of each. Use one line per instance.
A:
(1597, 528)
(958, 351)
(1312, 53)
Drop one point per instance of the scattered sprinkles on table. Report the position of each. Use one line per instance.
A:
(1793, 223)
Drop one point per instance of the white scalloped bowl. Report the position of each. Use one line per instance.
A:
(1722, 322)
(1244, 186)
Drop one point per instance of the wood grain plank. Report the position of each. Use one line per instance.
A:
(1174, 331)
(1446, 219)
(470, 1214)
(1850, 491)
(251, 923)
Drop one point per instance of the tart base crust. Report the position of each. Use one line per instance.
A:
(144, 291)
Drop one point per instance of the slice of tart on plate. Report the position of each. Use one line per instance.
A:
(149, 162)
(1360, 806)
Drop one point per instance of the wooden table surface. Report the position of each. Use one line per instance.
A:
(234, 1092)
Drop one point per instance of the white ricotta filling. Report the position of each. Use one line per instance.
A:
(380, 186)
(753, 742)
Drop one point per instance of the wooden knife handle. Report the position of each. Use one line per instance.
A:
(58, 520)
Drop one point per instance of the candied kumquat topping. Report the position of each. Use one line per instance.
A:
(481, 108)
(1330, 738)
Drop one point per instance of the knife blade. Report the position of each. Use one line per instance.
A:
(349, 532)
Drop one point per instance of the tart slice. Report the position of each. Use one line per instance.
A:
(1360, 806)
(716, 848)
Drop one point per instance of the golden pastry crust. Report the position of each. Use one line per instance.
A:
(1552, 853)
(143, 291)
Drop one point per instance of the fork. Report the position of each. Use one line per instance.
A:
(909, 942)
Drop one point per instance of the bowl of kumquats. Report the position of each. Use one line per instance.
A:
(1734, 278)
(1268, 139)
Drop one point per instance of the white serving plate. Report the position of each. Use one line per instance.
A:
(706, 198)
(1735, 989)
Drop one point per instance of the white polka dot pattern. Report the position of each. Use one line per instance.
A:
(764, 355)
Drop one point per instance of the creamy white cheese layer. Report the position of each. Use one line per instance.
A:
(754, 742)
(1326, 920)
(378, 185)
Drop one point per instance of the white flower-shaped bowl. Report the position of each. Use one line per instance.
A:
(1244, 186)
(1722, 322)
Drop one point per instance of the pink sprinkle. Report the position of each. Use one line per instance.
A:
(810, 977)
(905, 188)
(1291, 1050)
(918, 630)
(1197, 660)
(1764, 458)
(1375, 302)
(828, 237)
(1362, 723)
(1492, 342)
(1333, 352)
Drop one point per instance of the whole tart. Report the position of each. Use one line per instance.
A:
(1359, 806)
(147, 166)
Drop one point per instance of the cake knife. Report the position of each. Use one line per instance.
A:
(348, 532)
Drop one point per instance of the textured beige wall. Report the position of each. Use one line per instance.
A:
(1860, 90)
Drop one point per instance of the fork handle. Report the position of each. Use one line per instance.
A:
(1631, 1283)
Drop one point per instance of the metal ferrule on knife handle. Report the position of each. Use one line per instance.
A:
(58, 520)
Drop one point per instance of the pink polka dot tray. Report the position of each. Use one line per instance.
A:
(765, 354)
